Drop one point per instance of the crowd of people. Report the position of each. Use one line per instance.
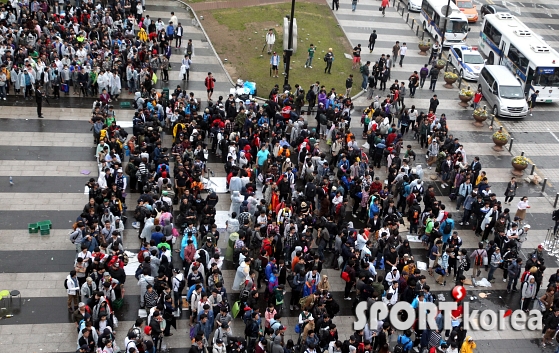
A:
(295, 194)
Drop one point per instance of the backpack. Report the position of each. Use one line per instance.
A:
(66, 283)
(345, 276)
(310, 191)
(135, 103)
(291, 280)
(362, 69)
(194, 330)
(524, 276)
(555, 215)
(182, 284)
(468, 264)
(399, 348)
(447, 228)
(258, 265)
(325, 59)
(478, 260)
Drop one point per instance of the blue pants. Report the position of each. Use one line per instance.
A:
(365, 81)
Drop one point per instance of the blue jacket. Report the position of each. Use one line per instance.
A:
(406, 342)
(269, 270)
(170, 30)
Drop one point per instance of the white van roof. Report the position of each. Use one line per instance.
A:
(502, 75)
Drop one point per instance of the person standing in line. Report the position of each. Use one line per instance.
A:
(365, 73)
(533, 98)
(270, 40)
(348, 85)
(384, 5)
(353, 5)
(513, 273)
(403, 51)
(328, 58)
(274, 64)
(174, 19)
(311, 51)
(3, 80)
(434, 75)
(210, 84)
(372, 40)
(395, 52)
(555, 217)
(39, 95)
(494, 264)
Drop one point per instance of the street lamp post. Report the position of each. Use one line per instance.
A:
(444, 28)
(289, 50)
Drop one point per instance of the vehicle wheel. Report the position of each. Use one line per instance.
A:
(424, 26)
(462, 73)
(495, 110)
(436, 38)
(491, 59)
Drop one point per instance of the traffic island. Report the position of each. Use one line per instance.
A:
(238, 35)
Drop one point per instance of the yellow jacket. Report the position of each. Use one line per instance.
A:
(142, 35)
(468, 346)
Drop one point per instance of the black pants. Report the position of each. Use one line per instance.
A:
(509, 198)
(295, 297)
(186, 76)
(328, 66)
(39, 107)
(347, 289)
(56, 91)
(422, 81)
(432, 85)
(178, 42)
(165, 75)
(28, 91)
(372, 46)
(382, 85)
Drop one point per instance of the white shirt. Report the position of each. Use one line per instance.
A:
(403, 50)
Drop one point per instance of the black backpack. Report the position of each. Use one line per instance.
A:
(66, 283)
(310, 191)
(447, 228)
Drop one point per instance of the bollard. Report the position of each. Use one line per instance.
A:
(408, 17)
(522, 153)
(532, 171)
(544, 183)
(398, 7)
(446, 67)
(511, 141)
(423, 36)
(460, 83)
(417, 31)
(556, 199)
(492, 119)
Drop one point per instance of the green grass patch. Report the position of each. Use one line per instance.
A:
(238, 35)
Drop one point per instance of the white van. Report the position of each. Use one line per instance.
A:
(503, 92)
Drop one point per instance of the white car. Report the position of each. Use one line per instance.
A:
(467, 60)
(414, 5)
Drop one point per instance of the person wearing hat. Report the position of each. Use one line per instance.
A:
(219, 346)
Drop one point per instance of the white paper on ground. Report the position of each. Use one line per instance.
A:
(421, 265)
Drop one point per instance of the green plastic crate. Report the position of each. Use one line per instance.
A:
(45, 230)
(33, 228)
(125, 105)
(47, 222)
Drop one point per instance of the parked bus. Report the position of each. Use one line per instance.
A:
(505, 40)
(432, 18)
